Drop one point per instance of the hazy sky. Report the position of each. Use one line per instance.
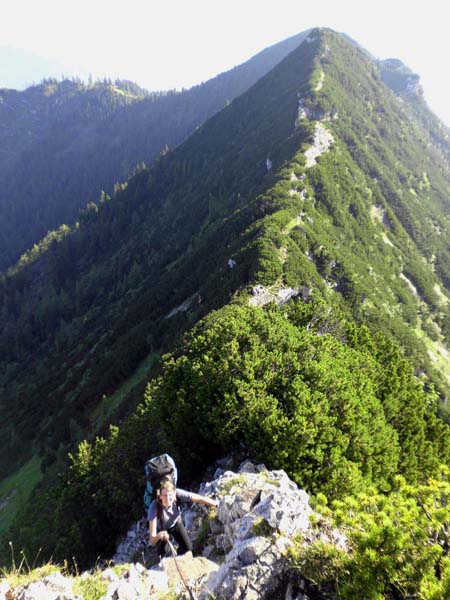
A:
(174, 43)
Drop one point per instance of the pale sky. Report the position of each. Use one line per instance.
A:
(178, 43)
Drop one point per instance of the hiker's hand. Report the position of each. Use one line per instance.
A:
(163, 536)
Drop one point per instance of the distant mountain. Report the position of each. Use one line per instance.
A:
(320, 188)
(63, 143)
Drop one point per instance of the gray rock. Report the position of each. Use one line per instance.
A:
(133, 545)
(52, 587)
(157, 581)
(259, 514)
(247, 467)
(225, 463)
(131, 590)
(107, 575)
(251, 552)
(195, 571)
(137, 583)
(4, 589)
(252, 570)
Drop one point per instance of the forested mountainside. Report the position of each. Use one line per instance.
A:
(133, 245)
(63, 143)
(318, 188)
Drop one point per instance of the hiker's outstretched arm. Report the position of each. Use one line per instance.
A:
(204, 500)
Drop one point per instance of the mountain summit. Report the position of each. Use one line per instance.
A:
(305, 230)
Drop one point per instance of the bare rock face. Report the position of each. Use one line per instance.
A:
(253, 570)
(267, 500)
(321, 144)
(188, 571)
(133, 545)
(259, 514)
(262, 296)
(135, 583)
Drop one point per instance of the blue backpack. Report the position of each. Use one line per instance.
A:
(158, 469)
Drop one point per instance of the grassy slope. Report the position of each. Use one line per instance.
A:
(16, 489)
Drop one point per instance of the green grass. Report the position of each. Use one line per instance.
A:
(15, 490)
(229, 484)
(23, 575)
(262, 528)
(92, 587)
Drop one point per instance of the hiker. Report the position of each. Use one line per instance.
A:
(164, 517)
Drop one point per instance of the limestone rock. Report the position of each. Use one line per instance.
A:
(4, 590)
(52, 587)
(195, 571)
(308, 112)
(259, 514)
(133, 545)
(322, 142)
(108, 575)
(136, 583)
(262, 296)
(252, 570)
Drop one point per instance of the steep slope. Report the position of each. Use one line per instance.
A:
(317, 182)
(405, 182)
(83, 302)
(63, 143)
(51, 155)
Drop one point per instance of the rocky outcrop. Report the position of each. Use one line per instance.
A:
(259, 514)
(322, 142)
(262, 295)
(244, 545)
(139, 583)
(4, 589)
(309, 112)
(254, 569)
(52, 587)
(134, 545)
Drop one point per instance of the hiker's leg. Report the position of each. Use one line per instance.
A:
(181, 535)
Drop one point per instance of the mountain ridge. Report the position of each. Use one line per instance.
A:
(345, 226)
